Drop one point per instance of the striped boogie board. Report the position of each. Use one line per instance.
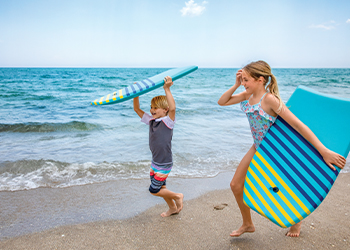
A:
(143, 87)
(287, 178)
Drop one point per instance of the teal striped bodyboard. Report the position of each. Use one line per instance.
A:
(287, 178)
(143, 87)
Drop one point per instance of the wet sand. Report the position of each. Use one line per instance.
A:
(201, 226)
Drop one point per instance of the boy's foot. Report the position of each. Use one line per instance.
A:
(294, 231)
(179, 202)
(242, 230)
(170, 212)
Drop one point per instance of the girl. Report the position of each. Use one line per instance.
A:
(261, 93)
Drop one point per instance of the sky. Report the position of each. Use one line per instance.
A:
(174, 33)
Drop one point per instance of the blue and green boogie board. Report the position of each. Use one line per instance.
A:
(143, 87)
(287, 178)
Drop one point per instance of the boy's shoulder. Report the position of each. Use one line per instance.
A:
(167, 121)
(146, 118)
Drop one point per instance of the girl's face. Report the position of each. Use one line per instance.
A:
(249, 83)
(158, 112)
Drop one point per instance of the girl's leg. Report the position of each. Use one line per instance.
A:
(294, 231)
(174, 201)
(237, 185)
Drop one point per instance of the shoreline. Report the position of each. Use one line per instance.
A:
(201, 226)
(36, 210)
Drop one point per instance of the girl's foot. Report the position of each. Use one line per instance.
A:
(179, 202)
(171, 211)
(294, 231)
(242, 230)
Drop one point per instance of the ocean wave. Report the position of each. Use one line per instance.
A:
(34, 127)
(49, 76)
(113, 78)
(32, 174)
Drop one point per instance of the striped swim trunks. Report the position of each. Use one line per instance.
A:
(158, 175)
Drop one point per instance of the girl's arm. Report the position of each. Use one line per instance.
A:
(168, 82)
(329, 156)
(228, 98)
(137, 109)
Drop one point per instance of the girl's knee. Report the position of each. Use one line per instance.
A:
(236, 188)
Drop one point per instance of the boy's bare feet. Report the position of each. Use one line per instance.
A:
(294, 231)
(242, 230)
(177, 208)
(179, 202)
(171, 211)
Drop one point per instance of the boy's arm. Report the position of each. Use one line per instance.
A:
(137, 109)
(171, 102)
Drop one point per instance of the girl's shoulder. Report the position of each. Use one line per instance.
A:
(270, 99)
(245, 95)
(271, 104)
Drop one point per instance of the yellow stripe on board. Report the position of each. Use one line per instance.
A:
(291, 193)
(279, 207)
(95, 102)
(114, 96)
(253, 202)
(280, 194)
(107, 98)
(120, 94)
(274, 215)
(101, 100)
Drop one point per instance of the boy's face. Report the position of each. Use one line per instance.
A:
(158, 112)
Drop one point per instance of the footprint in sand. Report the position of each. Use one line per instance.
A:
(220, 206)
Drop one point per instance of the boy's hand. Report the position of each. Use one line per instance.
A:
(168, 82)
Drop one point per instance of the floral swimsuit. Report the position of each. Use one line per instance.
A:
(259, 121)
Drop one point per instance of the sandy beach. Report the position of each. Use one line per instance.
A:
(201, 226)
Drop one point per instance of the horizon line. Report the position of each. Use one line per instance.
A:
(144, 67)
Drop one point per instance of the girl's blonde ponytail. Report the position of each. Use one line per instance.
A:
(272, 87)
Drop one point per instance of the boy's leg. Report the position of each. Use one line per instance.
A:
(171, 197)
(237, 186)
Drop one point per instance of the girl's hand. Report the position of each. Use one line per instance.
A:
(331, 157)
(168, 82)
(239, 77)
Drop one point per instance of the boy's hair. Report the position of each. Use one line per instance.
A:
(160, 102)
(261, 68)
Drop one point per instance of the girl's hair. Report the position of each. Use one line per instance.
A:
(261, 68)
(160, 102)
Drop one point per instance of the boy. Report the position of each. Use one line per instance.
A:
(161, 124)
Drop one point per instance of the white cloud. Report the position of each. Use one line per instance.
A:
(322, 26)
(193, 9)
(348, 21)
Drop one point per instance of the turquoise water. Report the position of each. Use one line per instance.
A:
(52, 137)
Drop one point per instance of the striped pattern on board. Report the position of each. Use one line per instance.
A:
(287, 178)
(134, 88)
(143, 87)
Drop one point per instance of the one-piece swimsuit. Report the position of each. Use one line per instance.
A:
(259, 121)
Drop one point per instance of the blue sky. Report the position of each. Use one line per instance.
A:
(174, 33)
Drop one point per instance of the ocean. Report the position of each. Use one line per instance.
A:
(52, 137)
